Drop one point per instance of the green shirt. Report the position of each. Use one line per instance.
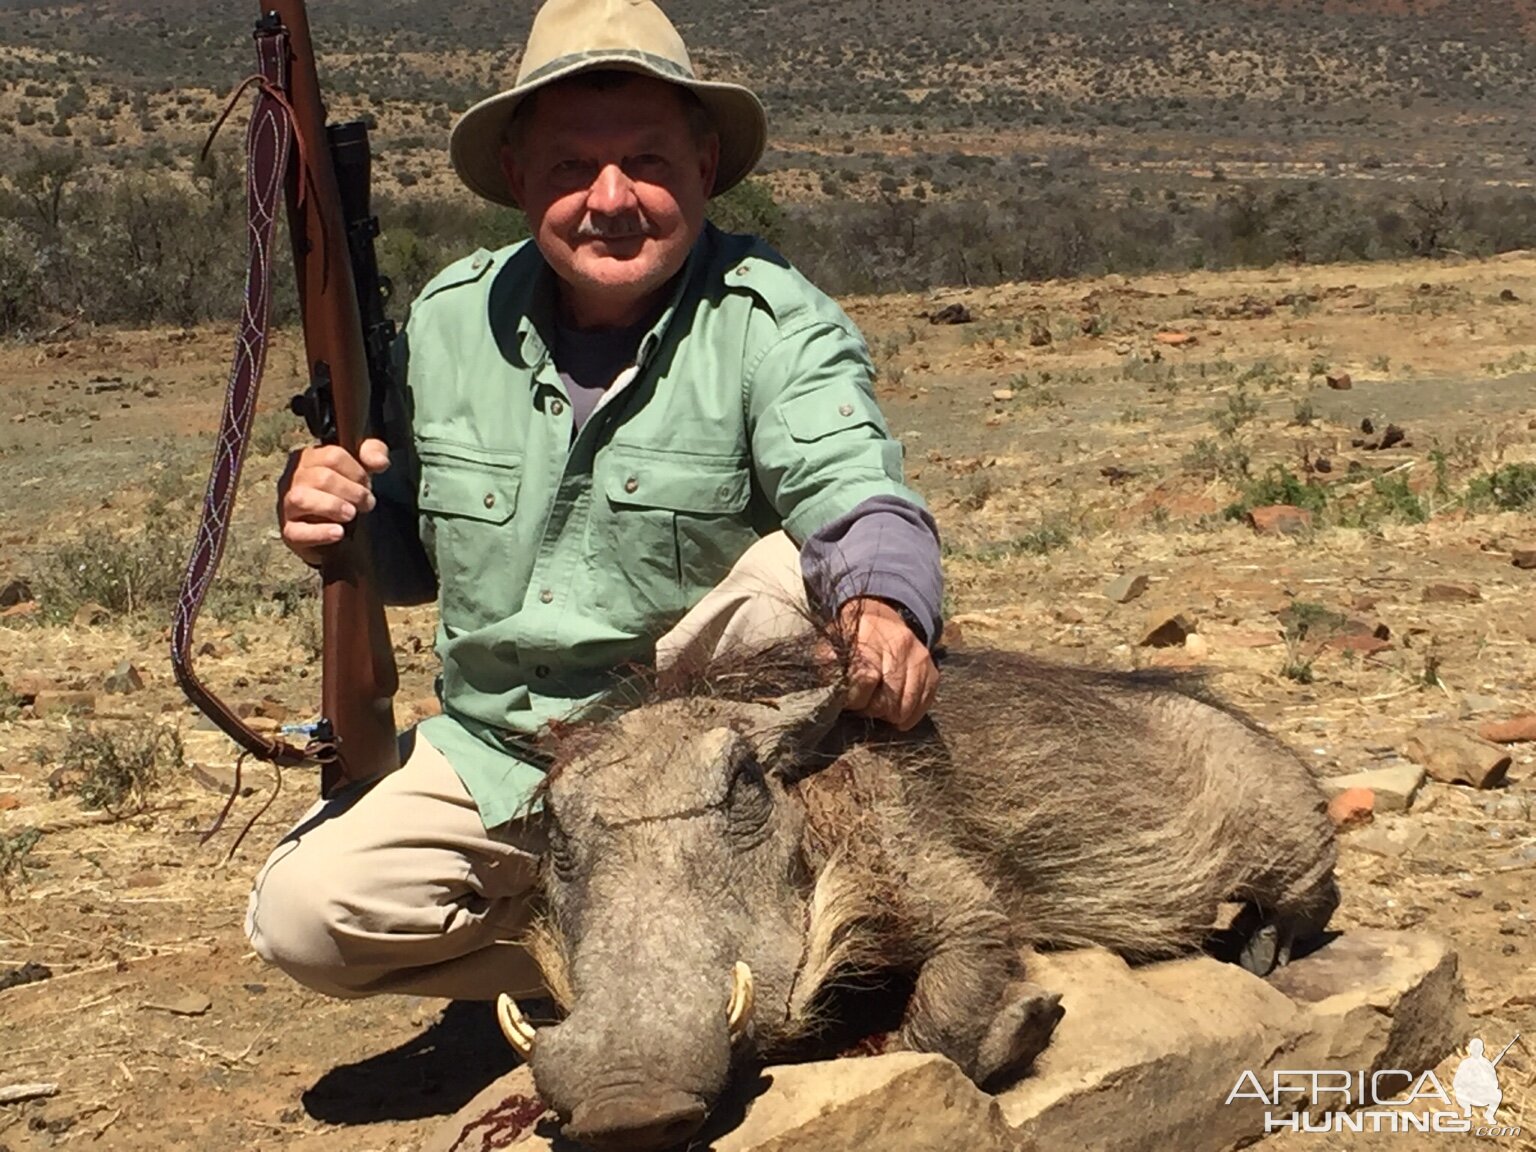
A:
(560, 559)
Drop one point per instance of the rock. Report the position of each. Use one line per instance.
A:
(56, 703)
(14, 592)
(1143, 1061)
(1124, 589)
(1517, 730)
(1181, 1034)
(1524, 558)
(1394, 787)
(1455, 758)
(1166, 631)
(125, 678)
(1341, 382)
(906, 1101)
(1176, 339)
(1280, 520)
(1197, 647)
(189, 1003)
(29, 973)
(1451, 594)
(20, 611)
(1510, 806)
(1389, 842)
(951, 314)
(1507, 296)
(90, 615)
(1002, 394)
(1352, 807)
(1388, 437)
(1039, 335)
(104, 384)
(9, 802)
(1357, 642)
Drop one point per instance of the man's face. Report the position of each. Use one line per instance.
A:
(615, 187)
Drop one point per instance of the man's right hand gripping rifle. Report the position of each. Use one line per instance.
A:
(323, 489)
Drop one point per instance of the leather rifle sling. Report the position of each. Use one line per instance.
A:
(270, 146)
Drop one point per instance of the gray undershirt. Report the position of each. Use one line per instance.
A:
(886, 547)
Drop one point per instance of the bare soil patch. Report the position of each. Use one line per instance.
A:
(1070, 434)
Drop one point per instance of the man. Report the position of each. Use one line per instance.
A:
(626, 441)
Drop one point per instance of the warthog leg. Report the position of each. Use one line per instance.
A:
(1019, 1032)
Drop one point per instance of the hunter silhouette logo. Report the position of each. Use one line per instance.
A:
(1476, 1082)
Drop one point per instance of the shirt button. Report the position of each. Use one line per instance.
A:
(542, 671)
(547, 596)
(490, 499)
(741, 270)
(556, 408)
(631, 485)
(845, 410)
(426, 489)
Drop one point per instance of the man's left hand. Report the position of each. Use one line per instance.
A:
(892, 676)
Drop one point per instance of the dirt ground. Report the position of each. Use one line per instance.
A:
(1069, 434)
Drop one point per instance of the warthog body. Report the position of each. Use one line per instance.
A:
(1044, 805)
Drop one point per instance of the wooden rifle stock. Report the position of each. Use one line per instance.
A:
(359, 676)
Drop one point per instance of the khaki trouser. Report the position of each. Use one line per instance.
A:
(397, 887)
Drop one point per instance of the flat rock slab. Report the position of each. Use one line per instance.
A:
(1144, 1059)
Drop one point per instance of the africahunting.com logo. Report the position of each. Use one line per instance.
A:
(1390, 1100)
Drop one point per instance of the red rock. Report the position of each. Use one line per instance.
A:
(1453, 757)
(9, 802)
(1352, 808)
(1523, 558)
(90, 615)
(1165, 630)
(1176, 339)
(1517, 730)
(1356, 642)
(1452, 594)
(1280, 520)
(1341, 382)
(20, 611)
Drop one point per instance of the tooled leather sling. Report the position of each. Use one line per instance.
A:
(270, 145)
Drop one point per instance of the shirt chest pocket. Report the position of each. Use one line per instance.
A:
(666, 528)
(467, 500)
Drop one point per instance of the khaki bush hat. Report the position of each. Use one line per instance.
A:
(571, 36)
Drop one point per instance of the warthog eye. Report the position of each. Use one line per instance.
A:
(561, 857)
(748, 802)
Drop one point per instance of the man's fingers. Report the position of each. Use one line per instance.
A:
(333, 458)
(373, 455)
(298, 534)
(315, 505)
(863, 682)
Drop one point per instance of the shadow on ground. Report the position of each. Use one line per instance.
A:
(432, 1074)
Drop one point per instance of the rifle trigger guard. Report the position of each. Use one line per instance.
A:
(317, 406)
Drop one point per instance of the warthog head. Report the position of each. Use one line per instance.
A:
(675, 925)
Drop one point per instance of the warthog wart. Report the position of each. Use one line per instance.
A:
(723, 857)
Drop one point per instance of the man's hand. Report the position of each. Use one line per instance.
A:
(323, 489)
(892, 676)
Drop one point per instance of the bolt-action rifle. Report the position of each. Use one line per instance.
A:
(321, 174)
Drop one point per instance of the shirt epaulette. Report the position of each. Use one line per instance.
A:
(466, 271)
(765, 274)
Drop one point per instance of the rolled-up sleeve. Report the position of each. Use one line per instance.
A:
(820, 445)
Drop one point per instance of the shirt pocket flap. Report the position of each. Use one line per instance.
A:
(477, 486)
(704, 485)
(828, 410)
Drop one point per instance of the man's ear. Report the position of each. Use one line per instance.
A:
(709, 163)
(513, 171)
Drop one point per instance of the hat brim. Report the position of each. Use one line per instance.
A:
(475, 144)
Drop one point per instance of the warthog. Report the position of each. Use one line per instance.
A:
(719, 859)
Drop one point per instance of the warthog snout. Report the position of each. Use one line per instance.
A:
(637, 1119)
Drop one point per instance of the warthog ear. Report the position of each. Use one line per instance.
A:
(786, 729)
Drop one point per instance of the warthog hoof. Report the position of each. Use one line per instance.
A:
(1018, 1033)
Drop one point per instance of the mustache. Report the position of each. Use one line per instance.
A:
(595, 227)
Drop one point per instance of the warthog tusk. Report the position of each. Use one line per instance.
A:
(514, 1026)
(740, 1011)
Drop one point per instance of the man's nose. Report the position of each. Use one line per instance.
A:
(612, 193)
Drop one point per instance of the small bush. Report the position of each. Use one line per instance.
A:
(127, 574)
(1510, 488)
(15, 847)
(118, 770)
(1279, 485)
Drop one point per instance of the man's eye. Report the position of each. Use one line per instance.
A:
(568, 170)
(646, 162)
